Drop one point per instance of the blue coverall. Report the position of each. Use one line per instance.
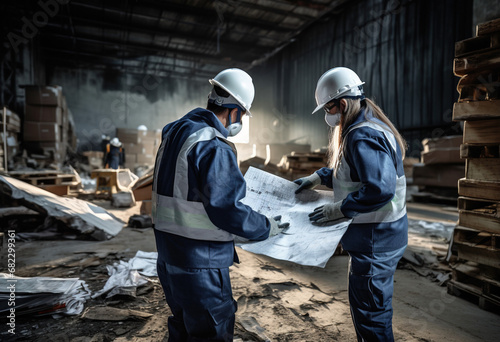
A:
(375, 247)
(194, 273)
(114, 156)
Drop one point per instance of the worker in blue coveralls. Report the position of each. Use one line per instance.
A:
(197, 188)
(369, 186)
(114, 156)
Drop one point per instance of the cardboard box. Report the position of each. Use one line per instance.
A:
(44, 95)
(44, 114)
(143, 193)
(145, 159)
(41, 131)
(126, 135)
(132, 148)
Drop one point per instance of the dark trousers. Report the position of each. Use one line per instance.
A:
(371, 285)
(201, 300)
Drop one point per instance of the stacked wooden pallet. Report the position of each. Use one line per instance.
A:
(57, 182)
(440, 169)
(476, 239)
(10, 127)
(296, 165)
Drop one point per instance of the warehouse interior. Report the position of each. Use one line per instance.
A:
(75, 74)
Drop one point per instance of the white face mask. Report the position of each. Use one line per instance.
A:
(234, 129)
(332, 120)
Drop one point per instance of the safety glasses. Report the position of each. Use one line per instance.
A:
(329, 105)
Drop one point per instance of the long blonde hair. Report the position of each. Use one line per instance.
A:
(336, 148)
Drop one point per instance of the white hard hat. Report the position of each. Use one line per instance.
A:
(238, 84)
(115, 142)
(337, 83)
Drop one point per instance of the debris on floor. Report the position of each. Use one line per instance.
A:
(42, 295)
(125, 276)
(109, 313)
(79, 216)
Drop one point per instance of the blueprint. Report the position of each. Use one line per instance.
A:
(303, 242)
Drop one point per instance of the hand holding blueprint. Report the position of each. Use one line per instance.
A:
(303, 242)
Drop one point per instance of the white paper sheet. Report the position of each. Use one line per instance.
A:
(303, 242)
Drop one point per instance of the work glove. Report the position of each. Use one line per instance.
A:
(276, 225)
(308, 182)
(327, 212)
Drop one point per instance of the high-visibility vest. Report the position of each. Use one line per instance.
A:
(343, 186)
(177, 215)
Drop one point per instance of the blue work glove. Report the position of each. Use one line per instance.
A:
(327, 212)
(276, 225)
(308, 182)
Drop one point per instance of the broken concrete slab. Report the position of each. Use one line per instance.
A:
(79, 215)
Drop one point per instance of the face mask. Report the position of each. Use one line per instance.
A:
(332, 120)
(234, 129)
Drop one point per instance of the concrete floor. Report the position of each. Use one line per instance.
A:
(423, 311)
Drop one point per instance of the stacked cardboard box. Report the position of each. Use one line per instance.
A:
(10, 127)
(439, 169)
(476, 239)
(48, 125)
(140, 146)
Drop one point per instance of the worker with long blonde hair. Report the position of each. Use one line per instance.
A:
(366, 173)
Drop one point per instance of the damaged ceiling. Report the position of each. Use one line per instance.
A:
(193, 38)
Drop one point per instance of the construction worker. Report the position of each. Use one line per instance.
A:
(369, 186)
(114, 156)
(197, 188)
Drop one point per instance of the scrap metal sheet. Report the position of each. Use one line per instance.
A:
(77, 214)
(303, 242)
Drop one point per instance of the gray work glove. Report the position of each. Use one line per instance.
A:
(327, 212)
(308, 182)
(276, 225)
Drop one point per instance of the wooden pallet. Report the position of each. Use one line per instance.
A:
(475, 282)
(479, 214)
(39, 178)
(474, 110)
(479, 86)
(303, 162)
(472, 236)
(479, 189)
(488, 60)
(482, 131)
(480, 151)
(478, 44)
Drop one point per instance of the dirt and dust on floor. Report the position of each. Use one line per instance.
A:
(277, 300)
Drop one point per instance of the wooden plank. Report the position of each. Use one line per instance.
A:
(488, 27)
(479, 189)
(451, 141)
(482, 131)
(444, 175)
(476, 62)
(487, 169)
(477, 44)
(479, 214)
(442, 156)
(473, 236)
(479, 151)
(481, 255)
(473, 294)
(480, 86)
(474, 110)
(60, 190)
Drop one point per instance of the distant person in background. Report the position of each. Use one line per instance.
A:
(114, 155)
(105, 139)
